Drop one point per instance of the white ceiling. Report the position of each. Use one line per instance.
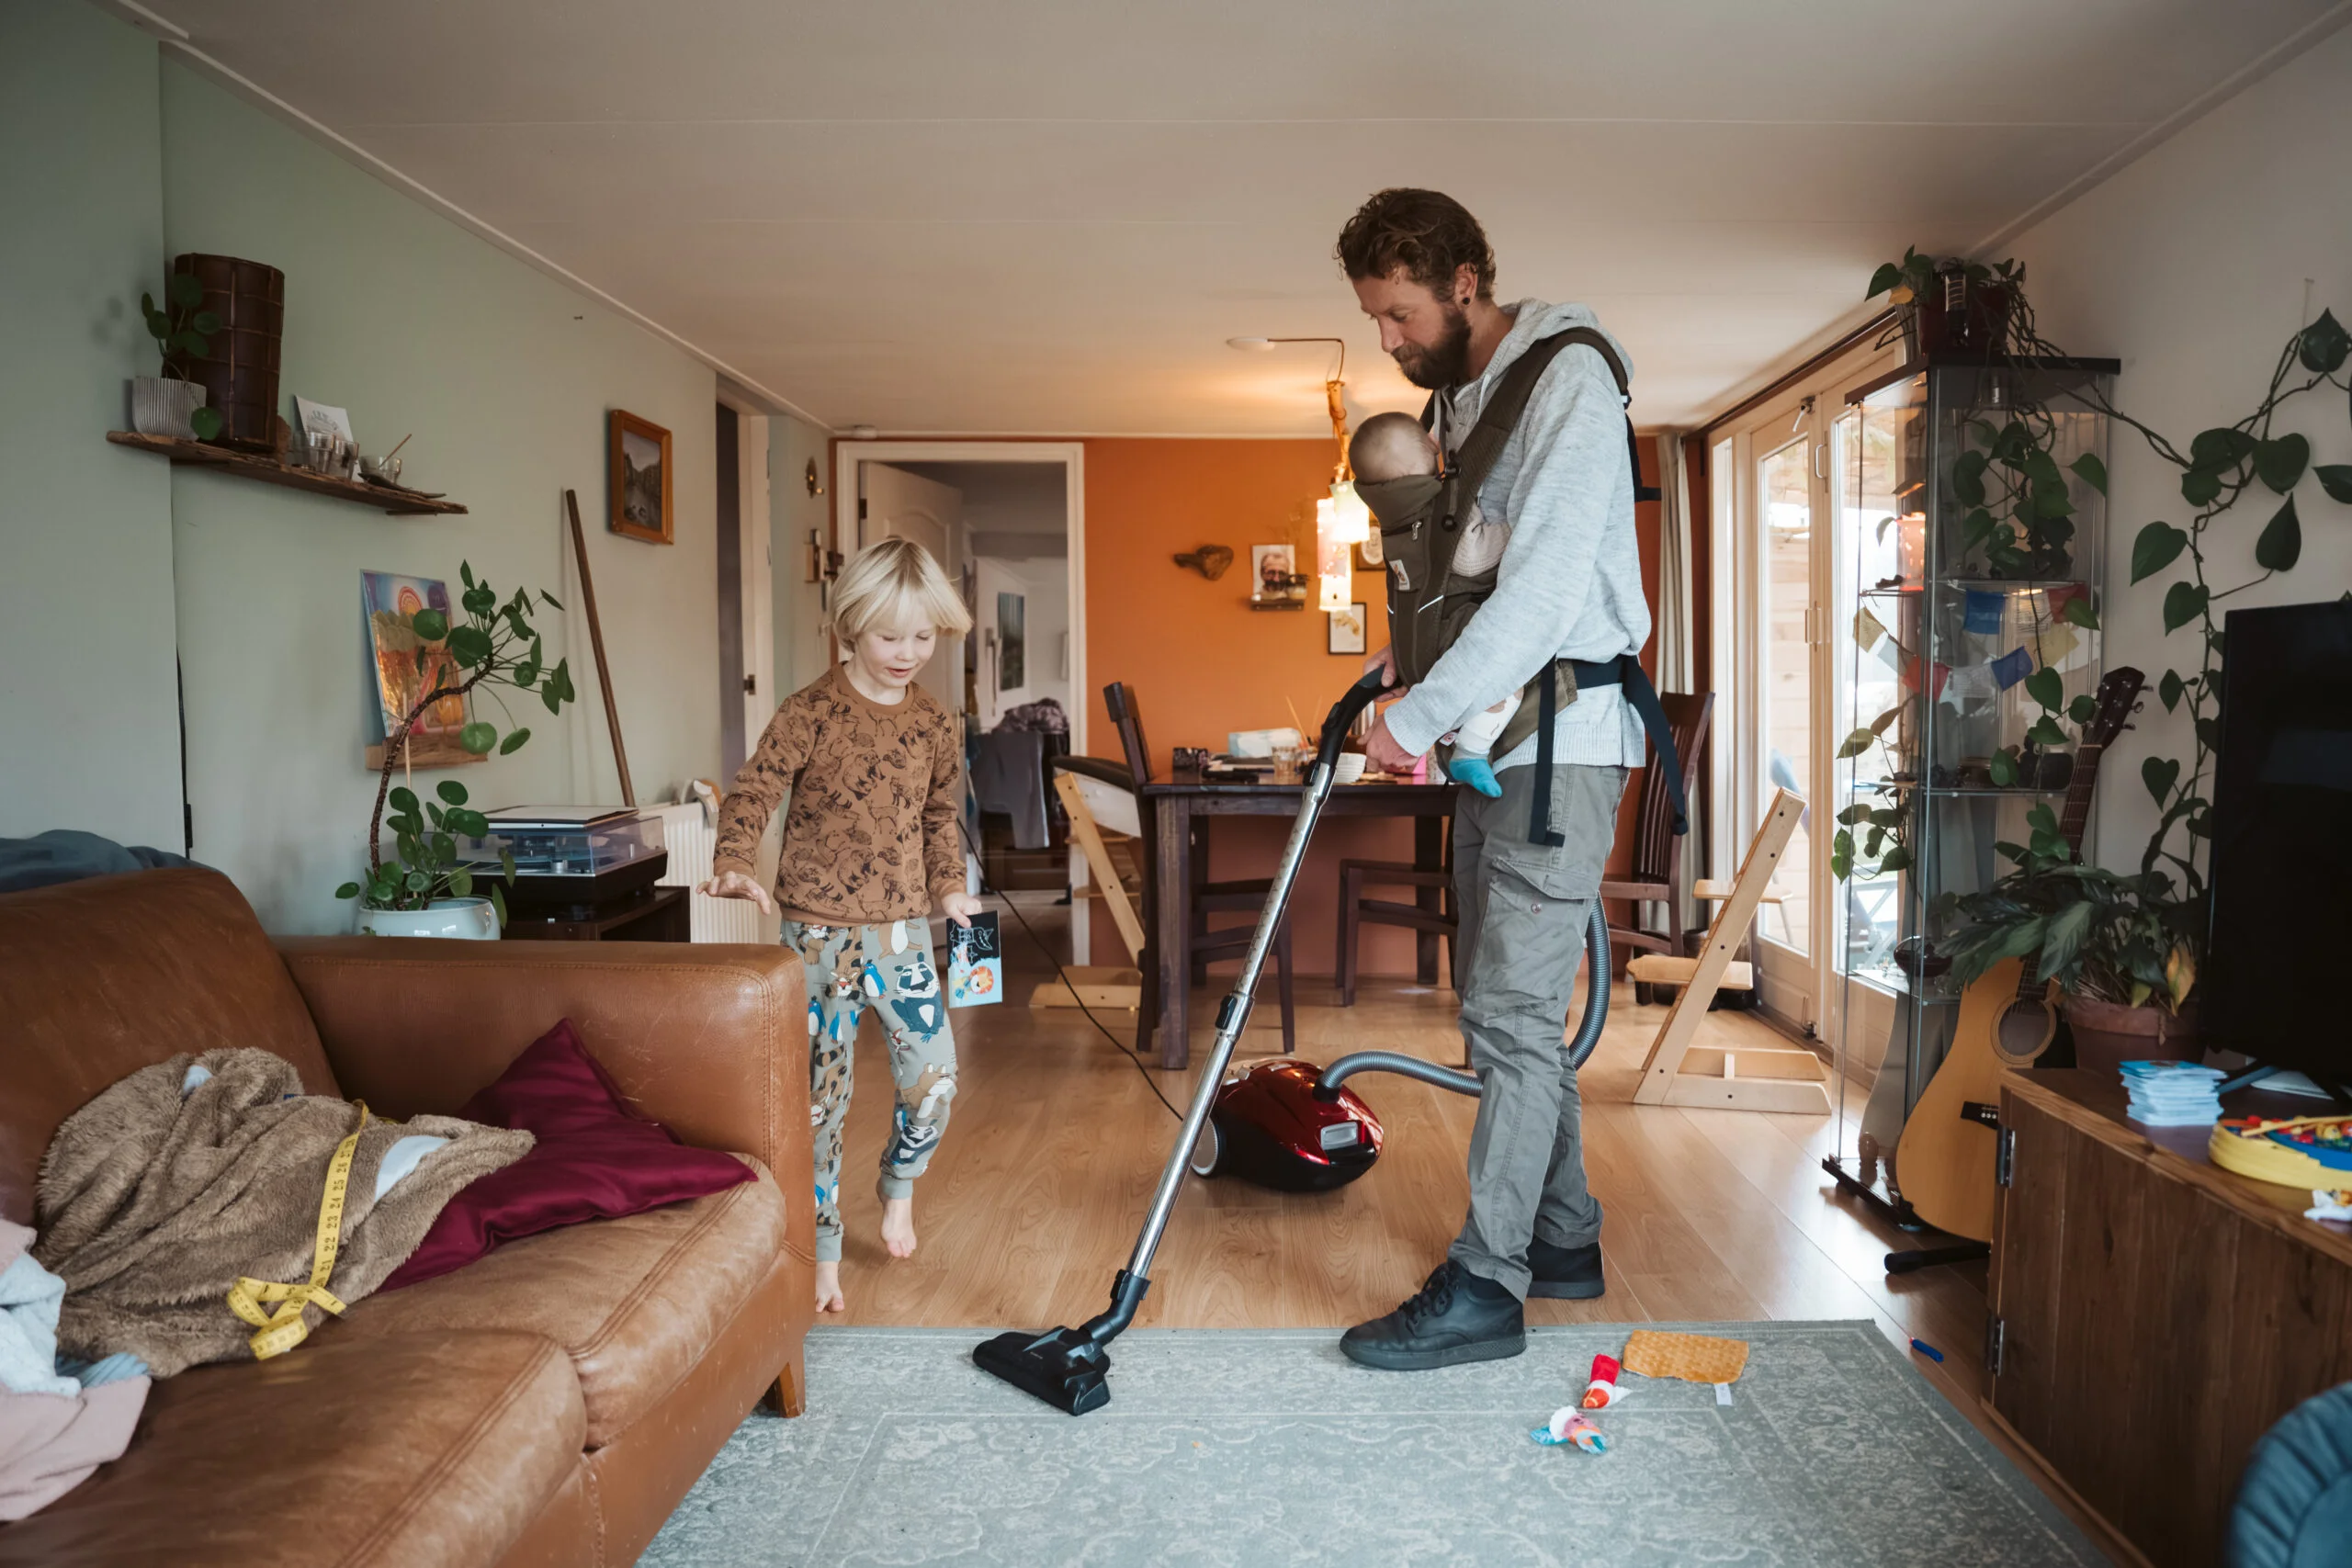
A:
(1048, 216)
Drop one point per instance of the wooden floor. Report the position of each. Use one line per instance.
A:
(1033, 1199)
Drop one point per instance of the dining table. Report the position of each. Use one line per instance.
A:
(1182, 806)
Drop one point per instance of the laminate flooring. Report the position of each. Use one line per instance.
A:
(1032, 1201)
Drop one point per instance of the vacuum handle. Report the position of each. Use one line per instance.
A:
(1343, 712)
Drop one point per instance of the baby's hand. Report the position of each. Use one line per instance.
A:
(960, 907)
(735, 884)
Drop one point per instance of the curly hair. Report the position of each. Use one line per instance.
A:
(1425, 235)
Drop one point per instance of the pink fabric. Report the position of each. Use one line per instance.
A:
(595, 1160)
(49, 1443)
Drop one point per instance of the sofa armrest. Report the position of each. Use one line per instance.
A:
(711, 1039)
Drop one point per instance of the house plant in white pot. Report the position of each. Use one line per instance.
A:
(425, 888)
(165, 405)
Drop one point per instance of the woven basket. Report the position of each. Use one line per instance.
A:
(240, 375)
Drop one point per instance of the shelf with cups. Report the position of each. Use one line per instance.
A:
(271, 469)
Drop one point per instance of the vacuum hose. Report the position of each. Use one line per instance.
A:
(1588, 1035)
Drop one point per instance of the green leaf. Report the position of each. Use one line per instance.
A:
(1897, 859)
(469, 644)
(2062, 937)
(205, 422)
(2046, 686)
(1843, 842)
(190, 344)
(1857, 744)
(513, 742)
(434, 812)
(2222, 447)
(430, 625)
(1968, 479)
(461, 883)
(349, 890)
(451, 791)
(2159, 773)
(402, 798)
(204, 322)
(1858, 812)
(466, 573)
(2045, 732)
(2200, 486)
(186, 291)
(478, 601)
(1888, 275)
(2002, 766)
(2093, 471)
(417, 881)
(2281, 463)
(2053, 504)
(2078, 610)
(2324, 344)
(2281, 545)
(2336, 480)
(2081, 709)
(550, 598)
(498, 900)
(2184, 602)
(2170, 689)
(479, 737)
(2209, 731)
(1841, 866)
(471, 823)
(1870, 844)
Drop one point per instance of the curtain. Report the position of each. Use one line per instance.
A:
(1675, 671)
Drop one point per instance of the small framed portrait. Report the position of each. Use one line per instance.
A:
(1368, 554)
(1345, 632)
(637, 451)
(1274, 576)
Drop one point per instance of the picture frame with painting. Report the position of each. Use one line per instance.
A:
(639, 477)
(1275, 580)
(1346, 631)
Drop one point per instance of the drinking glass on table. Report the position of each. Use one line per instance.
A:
(1286, 765)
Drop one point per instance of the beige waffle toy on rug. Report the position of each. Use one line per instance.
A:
(1694, 1358)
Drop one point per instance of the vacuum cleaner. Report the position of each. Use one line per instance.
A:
(1069, 1367)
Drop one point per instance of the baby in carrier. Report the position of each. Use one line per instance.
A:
(1394, 446)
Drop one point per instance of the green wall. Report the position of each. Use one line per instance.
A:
(800, 653)
(89, 733)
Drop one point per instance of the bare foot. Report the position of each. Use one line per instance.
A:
(828, 1288)
(898, 1226)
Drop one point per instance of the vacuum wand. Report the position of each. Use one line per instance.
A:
(1066, 1366)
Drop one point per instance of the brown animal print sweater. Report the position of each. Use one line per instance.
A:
(870, 835)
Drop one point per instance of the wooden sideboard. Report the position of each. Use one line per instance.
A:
(2151, 1314)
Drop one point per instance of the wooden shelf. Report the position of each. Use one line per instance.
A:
(269, 471)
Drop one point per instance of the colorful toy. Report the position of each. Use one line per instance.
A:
(2303, 1151)
(1568, 1426)
(1603, 1390)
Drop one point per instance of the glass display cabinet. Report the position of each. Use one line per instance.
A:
(1973, 508)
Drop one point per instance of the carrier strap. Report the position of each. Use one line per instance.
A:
(1485, 442)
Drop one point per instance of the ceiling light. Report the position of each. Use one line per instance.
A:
(1250, 343)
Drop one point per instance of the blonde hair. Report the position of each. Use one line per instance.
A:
(894, 581)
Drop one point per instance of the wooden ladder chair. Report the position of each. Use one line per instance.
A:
(1726, 1077)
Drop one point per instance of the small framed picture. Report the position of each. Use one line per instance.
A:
(1368, 554)
(1347, 628)
(639, 453)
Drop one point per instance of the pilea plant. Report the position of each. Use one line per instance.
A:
(183, 327)
(496, 646)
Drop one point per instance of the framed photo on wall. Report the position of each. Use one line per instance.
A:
(638, 453)
(1346, 630)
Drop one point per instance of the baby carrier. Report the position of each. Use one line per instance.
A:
(1429, 603)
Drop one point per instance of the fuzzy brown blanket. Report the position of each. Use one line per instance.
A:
(153, 1203)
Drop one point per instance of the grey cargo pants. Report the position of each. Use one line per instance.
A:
(1524, 908)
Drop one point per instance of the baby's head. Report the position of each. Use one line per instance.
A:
(1391, 446)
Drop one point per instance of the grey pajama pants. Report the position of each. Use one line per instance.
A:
(1524, 908)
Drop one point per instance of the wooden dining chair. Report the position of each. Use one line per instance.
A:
(1657, 872)
(1207, 943)
(1356, 910)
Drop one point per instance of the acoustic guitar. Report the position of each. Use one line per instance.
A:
(2007, 1018)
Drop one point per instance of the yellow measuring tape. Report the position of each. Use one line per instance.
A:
(278, 1332)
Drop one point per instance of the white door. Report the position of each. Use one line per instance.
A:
(758, 580)
(894, 503)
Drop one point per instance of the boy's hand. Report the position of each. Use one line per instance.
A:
(960, 907)
(735, 884)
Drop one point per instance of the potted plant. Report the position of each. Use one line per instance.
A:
(2121, 948)
(425, 888)
(182, 328)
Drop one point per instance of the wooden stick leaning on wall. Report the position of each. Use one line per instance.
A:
(596, 640)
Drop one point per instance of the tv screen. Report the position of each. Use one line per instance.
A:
(2279, 961)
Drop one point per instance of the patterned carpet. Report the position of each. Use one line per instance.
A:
(1241, 1448)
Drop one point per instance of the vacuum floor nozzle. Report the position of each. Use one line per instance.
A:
(1064, 1367)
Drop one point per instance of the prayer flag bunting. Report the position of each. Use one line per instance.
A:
(2012, 667)
(1986, 611)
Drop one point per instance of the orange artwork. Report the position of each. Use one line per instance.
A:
(407, 667)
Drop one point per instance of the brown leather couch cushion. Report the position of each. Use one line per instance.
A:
(636, 1302)
(101, 977)
(415, 1451)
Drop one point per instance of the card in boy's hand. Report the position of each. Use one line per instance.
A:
(975, 962)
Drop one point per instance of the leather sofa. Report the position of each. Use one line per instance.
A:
(548, 1405)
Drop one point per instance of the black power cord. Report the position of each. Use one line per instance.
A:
(1063, 975)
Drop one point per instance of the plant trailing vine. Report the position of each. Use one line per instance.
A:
(184, 329)
(496, 646)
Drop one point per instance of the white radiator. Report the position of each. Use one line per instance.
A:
(688, 834)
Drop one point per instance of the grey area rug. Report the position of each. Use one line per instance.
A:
(1242, 1448)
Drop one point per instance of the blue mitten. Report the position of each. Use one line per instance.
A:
(1478, 772)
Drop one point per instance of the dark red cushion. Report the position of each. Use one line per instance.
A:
(595, 1160)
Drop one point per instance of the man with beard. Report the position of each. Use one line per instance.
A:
(1568, 587)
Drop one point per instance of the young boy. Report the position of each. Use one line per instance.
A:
(1392, 447)
(874, 769)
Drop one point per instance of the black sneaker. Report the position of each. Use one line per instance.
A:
(1456, 1316)
(1565, 1273)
